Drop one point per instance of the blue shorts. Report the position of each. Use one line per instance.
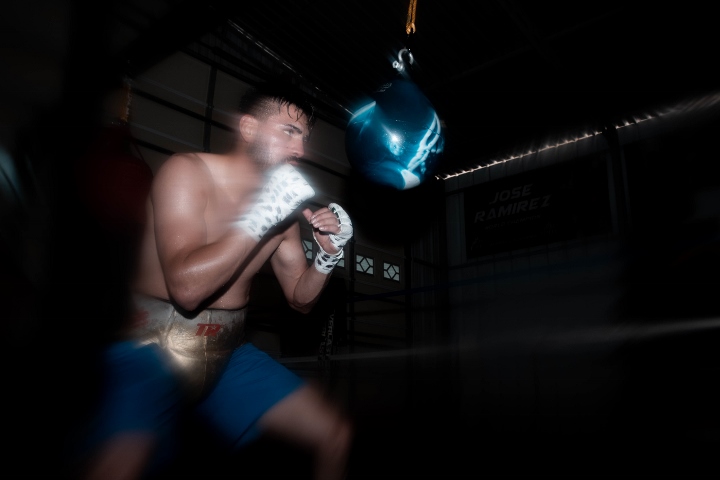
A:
(251, 384)
(140, 393)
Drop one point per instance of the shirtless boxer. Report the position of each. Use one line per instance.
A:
(213, 222)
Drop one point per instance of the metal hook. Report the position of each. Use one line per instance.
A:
(399, 64)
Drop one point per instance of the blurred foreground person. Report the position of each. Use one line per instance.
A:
(212, 222)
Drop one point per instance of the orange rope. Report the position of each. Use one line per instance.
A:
(410, 24)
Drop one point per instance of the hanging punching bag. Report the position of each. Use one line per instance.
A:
(395, 139)
(114, 179)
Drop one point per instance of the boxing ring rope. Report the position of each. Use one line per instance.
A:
(538, 339)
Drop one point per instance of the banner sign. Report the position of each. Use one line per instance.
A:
(557, 203)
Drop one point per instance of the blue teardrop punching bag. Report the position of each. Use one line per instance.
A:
(395, 139)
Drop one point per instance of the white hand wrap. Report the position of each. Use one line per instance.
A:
(325, 262)
(346, 228)
(284, 191)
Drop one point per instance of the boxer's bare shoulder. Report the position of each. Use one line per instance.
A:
(183, 170)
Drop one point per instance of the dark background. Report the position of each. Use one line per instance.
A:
(504, 76)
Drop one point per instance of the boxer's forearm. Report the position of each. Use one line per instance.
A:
(308, 290)
(316, 277)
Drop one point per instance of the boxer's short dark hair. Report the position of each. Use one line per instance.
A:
(281, 93)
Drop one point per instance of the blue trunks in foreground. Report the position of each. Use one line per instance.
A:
(233, 382)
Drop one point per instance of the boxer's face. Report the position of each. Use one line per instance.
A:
(280, 138)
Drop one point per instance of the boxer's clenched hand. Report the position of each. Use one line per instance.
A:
(283, 192)
(332, 228)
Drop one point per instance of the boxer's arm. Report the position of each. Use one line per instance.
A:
(193, 268)
(303, 284)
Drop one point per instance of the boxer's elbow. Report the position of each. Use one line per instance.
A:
(185, 295)
(304, 308)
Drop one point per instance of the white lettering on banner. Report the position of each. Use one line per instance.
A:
(513, 208)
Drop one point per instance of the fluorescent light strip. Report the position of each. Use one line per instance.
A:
(702, 103)
(560, 144)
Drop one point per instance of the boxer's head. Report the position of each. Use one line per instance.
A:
(275, 121)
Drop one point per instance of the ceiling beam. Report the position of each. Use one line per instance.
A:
(183, 24)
